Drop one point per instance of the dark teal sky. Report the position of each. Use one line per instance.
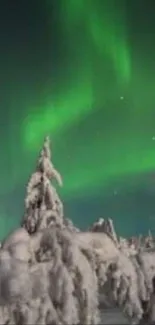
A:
(83, 72)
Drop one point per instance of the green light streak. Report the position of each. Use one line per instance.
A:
(87, 29)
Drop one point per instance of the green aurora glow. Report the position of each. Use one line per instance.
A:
(94, 35)
(83, 72)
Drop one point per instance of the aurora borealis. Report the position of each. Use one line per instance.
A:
(83, 72)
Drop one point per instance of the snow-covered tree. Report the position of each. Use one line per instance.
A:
(105, 226)
(53, 273)
(42, 204)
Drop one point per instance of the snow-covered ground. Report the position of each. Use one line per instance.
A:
(110, 316)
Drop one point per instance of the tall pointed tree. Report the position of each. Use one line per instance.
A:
(42, 204)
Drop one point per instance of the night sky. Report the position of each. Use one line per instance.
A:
(82, 71)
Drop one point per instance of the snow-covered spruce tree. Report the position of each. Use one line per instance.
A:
(43, 205)
(105, 226)
(46, 277)
(127, 279)
(50, 273)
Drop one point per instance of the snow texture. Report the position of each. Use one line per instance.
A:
(52, 273)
